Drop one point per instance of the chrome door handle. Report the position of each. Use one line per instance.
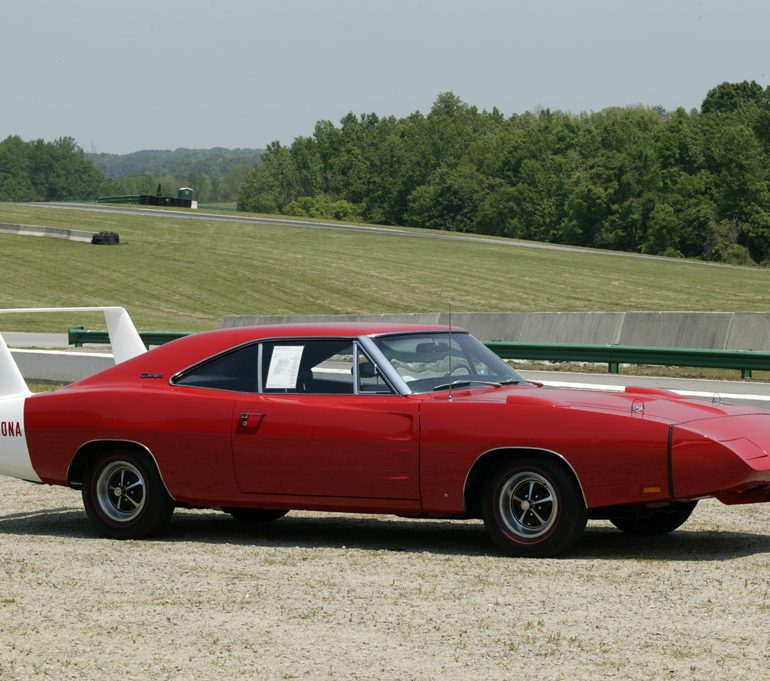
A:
(245, 415)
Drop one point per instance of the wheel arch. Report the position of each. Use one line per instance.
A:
(88, 451)
(489, 459)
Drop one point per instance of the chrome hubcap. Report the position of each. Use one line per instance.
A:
(120, 491)
(528, 505)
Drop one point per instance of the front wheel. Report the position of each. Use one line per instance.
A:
(124, 495)
(533, 508)
(656, 522)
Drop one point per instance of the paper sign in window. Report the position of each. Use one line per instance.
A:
(284, 367)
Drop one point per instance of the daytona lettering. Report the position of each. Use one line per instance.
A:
(10, 429)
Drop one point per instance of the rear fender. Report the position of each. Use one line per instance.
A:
(14, 392)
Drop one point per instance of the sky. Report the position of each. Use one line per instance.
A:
(119, 77)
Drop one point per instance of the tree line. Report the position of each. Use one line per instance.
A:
(47, 171)
(215, 174)
(208, 188)
(680, 183)
(60, 170)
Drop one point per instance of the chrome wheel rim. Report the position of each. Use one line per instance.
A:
(528, 505)
(120, 491)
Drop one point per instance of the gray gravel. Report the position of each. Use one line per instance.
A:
(331, 596)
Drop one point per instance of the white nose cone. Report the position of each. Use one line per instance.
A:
(14, 454)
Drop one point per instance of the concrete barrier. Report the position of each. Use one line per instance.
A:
(749, 331)
(676, 329)
(53, 232)
(710, 330)
(60, 366)
(713, 330)
(560, 327)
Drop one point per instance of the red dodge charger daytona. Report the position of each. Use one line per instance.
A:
(419, 421)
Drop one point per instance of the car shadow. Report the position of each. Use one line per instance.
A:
(388, 533)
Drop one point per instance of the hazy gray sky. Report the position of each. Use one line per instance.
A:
(124, 76)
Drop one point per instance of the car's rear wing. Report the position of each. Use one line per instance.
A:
(124, 338)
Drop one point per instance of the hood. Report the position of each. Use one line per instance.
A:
(649, 403)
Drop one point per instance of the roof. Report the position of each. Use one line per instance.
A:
(179, 354)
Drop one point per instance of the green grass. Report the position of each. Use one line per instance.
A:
(44, 386)
(177, 274)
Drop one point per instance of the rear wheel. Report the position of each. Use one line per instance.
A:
(657, 521)
(532, 507)
(255, 515)
(124, 496)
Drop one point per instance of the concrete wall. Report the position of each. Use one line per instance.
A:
(50, 365)
(718, 330)
(53, 232)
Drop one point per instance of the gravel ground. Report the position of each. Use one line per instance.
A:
(328, 596)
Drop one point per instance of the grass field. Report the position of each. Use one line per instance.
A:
(172, 273)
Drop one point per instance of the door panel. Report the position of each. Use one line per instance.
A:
(327, 445)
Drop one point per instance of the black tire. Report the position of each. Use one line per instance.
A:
(532, 507)
(124, 495)
(658, 521)
(255, 515)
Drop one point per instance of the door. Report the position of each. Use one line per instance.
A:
(363, 446)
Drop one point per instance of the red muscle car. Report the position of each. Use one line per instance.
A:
(420, 421)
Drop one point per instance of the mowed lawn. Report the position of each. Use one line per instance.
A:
(172, 273)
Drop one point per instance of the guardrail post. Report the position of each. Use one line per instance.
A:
(745, 373)
(73, 337)
(613, 368)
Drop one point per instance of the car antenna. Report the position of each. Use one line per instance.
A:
(450, 352)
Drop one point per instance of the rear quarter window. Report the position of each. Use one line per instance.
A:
(235, 370)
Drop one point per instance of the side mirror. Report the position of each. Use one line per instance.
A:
(367, 370)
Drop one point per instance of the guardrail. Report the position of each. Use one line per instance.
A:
(613, 355)
(130, 198)
(78, 336)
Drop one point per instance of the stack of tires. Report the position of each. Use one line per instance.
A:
(105, 239)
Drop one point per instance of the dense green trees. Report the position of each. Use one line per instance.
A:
(47, 171)
(208, 188)
(681, 183)
(215, 174)
(59, 170)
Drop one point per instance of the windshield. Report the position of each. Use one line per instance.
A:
(427, 361)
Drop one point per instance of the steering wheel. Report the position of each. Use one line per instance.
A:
(461, 367)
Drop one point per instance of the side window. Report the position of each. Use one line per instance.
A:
(308, 366)
(236, 370)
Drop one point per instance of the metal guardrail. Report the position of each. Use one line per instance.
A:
(131, 198)
(613, 355)
(78, 336)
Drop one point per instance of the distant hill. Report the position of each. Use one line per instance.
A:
(214, 162)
